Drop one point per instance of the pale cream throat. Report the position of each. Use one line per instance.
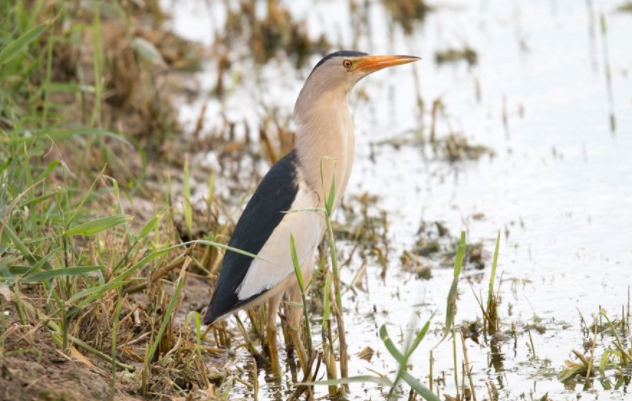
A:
(326, 135)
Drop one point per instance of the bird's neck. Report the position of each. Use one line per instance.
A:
(325, 135)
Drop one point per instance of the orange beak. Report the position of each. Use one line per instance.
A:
(375, 63)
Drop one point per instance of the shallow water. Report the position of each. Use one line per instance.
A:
(559, 186)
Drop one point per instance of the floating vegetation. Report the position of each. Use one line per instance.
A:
(445, 143)
(614, 368)
(456, 148)
(366, 227)
(407, 13)
(436, 247)
(625, 7)
(412, 263)
(454, 56)
(268, 34)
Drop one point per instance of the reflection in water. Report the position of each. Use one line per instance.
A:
(496, 356)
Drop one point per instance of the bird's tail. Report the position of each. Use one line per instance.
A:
(209, 316)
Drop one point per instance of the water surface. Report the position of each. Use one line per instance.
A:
(558, 187)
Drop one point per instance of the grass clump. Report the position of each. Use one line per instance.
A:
(92, 269)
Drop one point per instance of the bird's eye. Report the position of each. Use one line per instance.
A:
(347, 63)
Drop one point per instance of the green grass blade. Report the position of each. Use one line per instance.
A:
(9, 236)
(167, 318)
(188, 213)
(96, 226)
(16, 270)
(67, 271)
(420, 336)
(16, 46)
(117, 194)
(100, 290)
(390, 346)
(149, 226)
(301, 286)
(332, 195)
(451, 304)
(83, 200)
(458, 260)
(34, 201)
(49, 169)
(326, 302)
(296, 263)
(422, 390)
(198, 334)
(493, 273)
(211, 190)
(37, 266)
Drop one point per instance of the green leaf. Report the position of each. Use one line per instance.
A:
(18, 269)
(68, 271)
(150, 226)
(332, 195)
(296, 263)
(186, 189)
(460, 252)
(451, 307)
(420, 336)
(422, 390)
(8, 235)
(492, 278)
(38, 266)
(17, 45)
(390, 346)
(198, 333)
(211, 189)
(98, 225)
(34, 201)
(6, 164)
(326, 302)
(170, 310)
(299, 279)
(99, 289)
(49, 169)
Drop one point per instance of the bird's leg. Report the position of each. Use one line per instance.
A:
(294, 315)
(273, 307)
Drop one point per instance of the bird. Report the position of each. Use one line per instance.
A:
(289, 196)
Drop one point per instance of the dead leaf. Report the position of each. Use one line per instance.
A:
(5, 291)
(79, 356)
(366, 354)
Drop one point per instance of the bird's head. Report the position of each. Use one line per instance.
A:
(342, 70)
(336, 74)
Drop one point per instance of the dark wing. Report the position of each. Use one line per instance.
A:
(264, 212)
